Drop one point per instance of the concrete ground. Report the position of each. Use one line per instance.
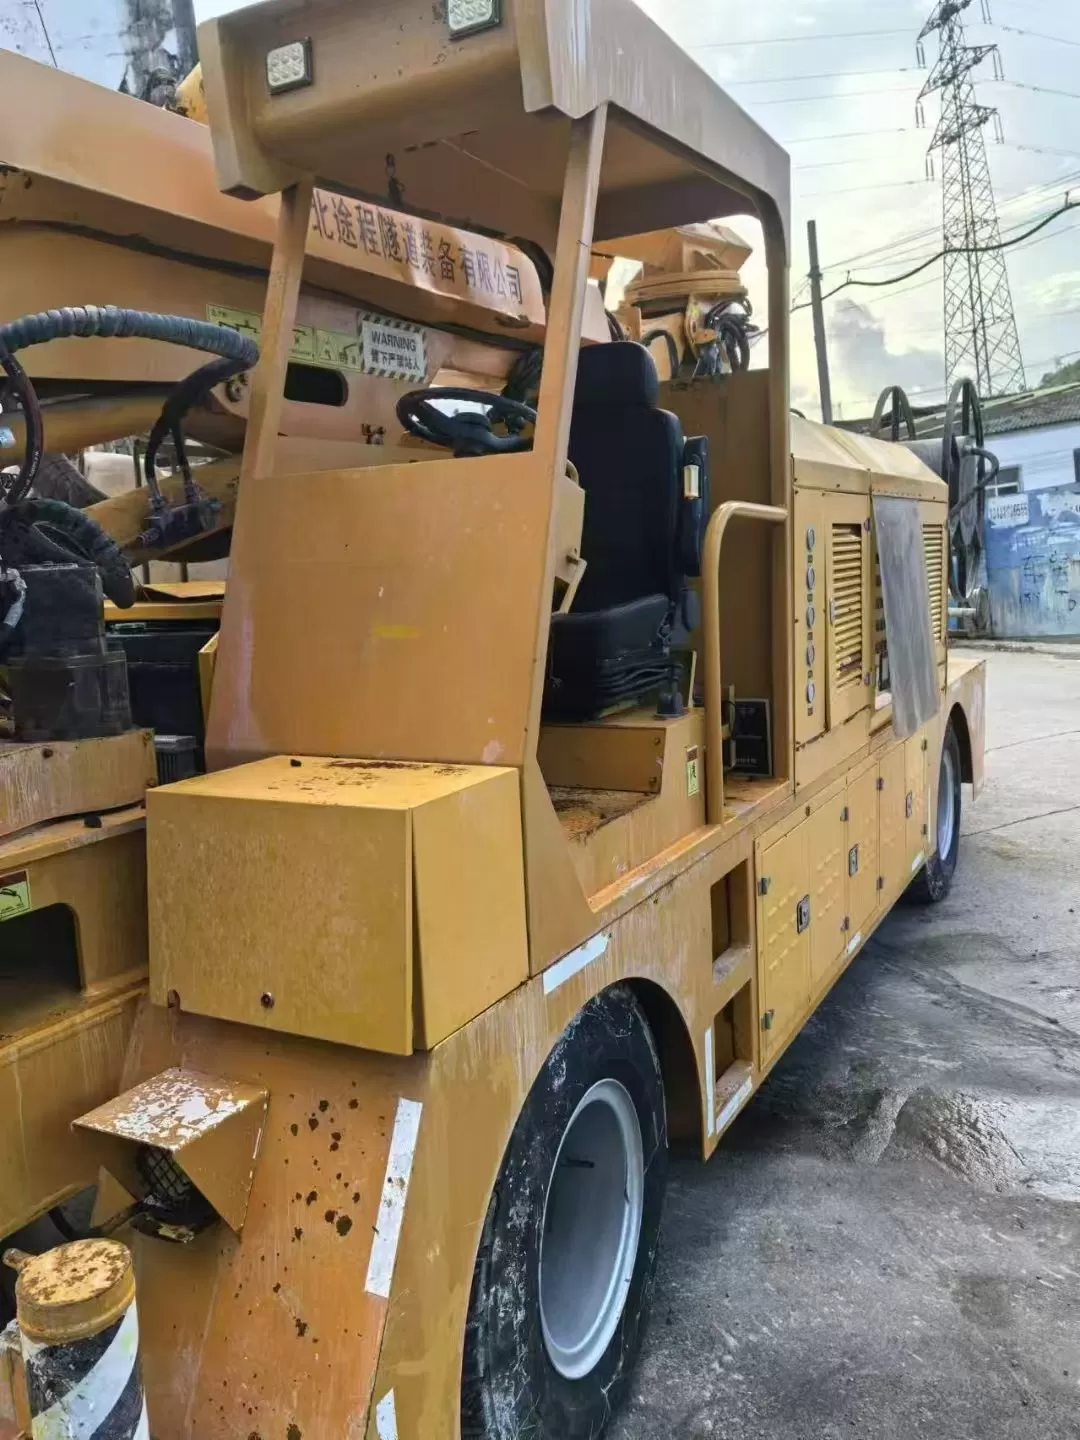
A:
(887, 1243)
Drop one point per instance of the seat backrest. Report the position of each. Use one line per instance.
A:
(628, 455)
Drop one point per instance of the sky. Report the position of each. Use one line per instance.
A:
(836, 81)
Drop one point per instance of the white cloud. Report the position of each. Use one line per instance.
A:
(1056, 292)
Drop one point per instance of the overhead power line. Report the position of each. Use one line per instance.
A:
(847, 135)
(958, 250)
(837, 95)
(1044, 150)
(45, 32)
(1022, 85)
(896, 251)
(858, 189)
(795, 39)
(826, 75)
(830, 164)
(1038, 35)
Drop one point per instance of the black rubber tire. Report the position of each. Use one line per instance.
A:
(934, 880)
(510, 1389)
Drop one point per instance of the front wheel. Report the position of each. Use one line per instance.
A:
(934, 879)
(565, 1267)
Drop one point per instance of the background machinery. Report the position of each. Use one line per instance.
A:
(952, 444)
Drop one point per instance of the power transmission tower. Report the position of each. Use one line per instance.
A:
(980, 326)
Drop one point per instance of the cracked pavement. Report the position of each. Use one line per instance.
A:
(887, 1243)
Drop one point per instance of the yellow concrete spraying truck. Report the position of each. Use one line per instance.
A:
(571, 717)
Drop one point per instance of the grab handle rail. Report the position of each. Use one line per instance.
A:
(714, 699)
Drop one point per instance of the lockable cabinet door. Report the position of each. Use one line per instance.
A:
(784, 920)
(861, 861)
(895, 862)
(827, 851)
(915, 799)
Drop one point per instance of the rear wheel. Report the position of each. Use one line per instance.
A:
(565, 1268)
(934, 879)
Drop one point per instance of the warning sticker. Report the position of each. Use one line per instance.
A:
(393, 348)
(247, 322)
(693, 771)
(344, 352)
(14, 894)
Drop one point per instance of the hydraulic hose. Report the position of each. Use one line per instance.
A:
(39, 531)
(237, 352)
(106, 321)
(672, 349)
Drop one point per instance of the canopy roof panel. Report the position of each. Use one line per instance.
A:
(478, 127)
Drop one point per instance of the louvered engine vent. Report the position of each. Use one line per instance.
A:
(846, 606)
(933, 553)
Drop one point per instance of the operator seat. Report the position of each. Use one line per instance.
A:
(646, 507)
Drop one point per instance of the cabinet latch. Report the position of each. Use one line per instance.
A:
(802, 914)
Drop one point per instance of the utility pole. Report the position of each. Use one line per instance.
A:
(819, 325)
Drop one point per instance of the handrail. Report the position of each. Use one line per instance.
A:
(714, 699)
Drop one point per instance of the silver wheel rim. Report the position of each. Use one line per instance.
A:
(946, 804)
(592, 1224)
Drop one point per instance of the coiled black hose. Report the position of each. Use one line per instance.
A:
(672, 348)
(106, 321)
(39, 531)
(730, 319)
(237, 352)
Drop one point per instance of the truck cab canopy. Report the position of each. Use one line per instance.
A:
(476, 129)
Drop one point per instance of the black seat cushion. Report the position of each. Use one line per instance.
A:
(602, 659)
(612, 647)
(628, 456)
(587, 638)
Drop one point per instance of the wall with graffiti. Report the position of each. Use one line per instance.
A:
(1033, 563)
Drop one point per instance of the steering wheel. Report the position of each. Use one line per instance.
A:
(469, 432)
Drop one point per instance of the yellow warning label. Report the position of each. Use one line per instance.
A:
(344, 352)
(14, 894)
(249, 323)
(693, 774)
(390, 347)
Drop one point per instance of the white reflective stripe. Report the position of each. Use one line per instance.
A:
(399, 1164)
(710, 1080)
(386, 1417)
(143, 1430)
(82, 1411)
(854, 942)
(557, 974)
(735, 1104)
(919, 858)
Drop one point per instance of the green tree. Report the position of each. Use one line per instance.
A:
(1063, 375)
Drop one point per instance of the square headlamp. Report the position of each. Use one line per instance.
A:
(466, 17)
(288, 67)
